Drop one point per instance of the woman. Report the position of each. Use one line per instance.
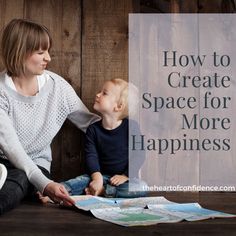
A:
(34, 103)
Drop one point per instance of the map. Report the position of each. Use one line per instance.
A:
(144, 211)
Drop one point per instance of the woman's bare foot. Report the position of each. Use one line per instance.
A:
(43, 199)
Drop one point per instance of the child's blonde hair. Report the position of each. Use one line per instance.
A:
(126, 90)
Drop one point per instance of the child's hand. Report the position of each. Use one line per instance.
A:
(95, 188)
(118, 179)
(96, 185)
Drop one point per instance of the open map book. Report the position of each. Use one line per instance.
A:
(144, 211)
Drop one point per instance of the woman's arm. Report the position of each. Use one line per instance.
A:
(12, 148)
(82, 118)
(78, 113)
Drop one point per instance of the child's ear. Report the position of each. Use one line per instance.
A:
(119, 107)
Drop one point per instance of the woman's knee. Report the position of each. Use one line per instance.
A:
(14, 190)
(18, 177)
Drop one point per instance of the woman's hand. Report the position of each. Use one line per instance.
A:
(58, 194)
(118, 179)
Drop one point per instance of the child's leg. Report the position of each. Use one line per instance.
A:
(122, 191)
(14, 190)
(109, 190)
(77, 185)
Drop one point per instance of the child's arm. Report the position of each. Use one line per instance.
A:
(92, 163)
(118, 179)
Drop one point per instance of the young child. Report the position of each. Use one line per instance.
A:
(106, 147)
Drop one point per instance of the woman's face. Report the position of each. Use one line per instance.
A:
(37, 62)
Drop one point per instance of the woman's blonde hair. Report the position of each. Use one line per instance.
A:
(20, 38)
(128, 93)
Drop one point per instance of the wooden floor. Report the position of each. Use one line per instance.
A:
(34, 219)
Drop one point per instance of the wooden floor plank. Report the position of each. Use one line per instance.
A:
(33, 219)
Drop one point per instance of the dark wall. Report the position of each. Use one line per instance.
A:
(90, 45)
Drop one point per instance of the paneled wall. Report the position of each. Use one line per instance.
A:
(90, 45)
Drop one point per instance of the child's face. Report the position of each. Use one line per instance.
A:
(107, 100)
